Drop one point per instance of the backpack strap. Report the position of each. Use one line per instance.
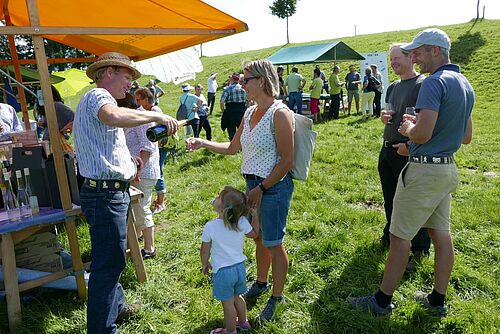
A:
(279, 105)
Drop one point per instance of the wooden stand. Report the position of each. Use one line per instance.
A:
(132, 242)
(9, 239)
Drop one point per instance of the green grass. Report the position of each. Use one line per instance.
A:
(334, 223)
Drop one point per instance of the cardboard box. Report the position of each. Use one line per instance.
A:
(27, 138)
(48, 263)
(41, 244)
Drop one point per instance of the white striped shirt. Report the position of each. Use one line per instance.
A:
(101, 149)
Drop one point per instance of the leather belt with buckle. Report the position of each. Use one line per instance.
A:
(425, 159)
(252, 177)
(112, 185)
(387, 143)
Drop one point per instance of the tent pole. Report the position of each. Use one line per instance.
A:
(17, 70)
(54, 136)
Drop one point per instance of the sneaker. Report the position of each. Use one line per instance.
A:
(268, 311)
(254, 291)
(127, 311)
(244, 326)
(422, 298)
(158, 209)
(148, 255)
(369, 303)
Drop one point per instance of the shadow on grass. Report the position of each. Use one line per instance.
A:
(208, 157)
(39, 306)
(358, 121)
(332, 314)
(465, 46)
(208, 326)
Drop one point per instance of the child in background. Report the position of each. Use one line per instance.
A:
(222, 238)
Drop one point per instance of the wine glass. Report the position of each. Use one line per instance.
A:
(389, 111)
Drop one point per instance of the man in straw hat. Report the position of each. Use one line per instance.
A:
(105, 162)
(423, 193)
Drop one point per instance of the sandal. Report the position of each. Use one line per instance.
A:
(221, 330)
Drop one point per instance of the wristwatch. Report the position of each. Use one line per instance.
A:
(261, 186)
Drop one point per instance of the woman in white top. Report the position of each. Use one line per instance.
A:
(265, 138)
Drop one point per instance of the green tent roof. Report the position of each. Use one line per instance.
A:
(315, 53)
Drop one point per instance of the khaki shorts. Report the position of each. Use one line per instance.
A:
(423, 198)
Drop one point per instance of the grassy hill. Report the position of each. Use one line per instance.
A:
(334, 224)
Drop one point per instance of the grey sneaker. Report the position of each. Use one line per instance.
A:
(268, 311)
(369, 303)
(254, 291)
(421, 297)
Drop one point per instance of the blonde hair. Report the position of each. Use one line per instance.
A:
(234, 206)
(263, 68)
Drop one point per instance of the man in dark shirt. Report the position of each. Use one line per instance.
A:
(394, 153)
(352, 81)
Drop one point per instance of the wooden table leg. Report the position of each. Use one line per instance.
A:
(135, 250)
(10, 282)
(76, 257)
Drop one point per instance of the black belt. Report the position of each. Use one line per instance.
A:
(387, 143)
(426, 159)
(112, 185)
(251, 177)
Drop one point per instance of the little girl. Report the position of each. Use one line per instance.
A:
(223, 238)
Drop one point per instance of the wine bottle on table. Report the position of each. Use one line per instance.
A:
(32, 197)
(11, 202)
(22, 196)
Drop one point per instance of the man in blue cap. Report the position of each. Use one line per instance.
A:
(423, 193)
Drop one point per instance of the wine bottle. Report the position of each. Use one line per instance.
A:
(160, 131)
(22, 196)
(11, 203)
(32, 197)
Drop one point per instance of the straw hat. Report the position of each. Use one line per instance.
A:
(112, 59)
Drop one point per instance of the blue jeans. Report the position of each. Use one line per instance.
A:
(273, 210)
(295, 99)
(160, 184)
(106, 212)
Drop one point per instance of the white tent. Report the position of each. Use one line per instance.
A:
(176, 67)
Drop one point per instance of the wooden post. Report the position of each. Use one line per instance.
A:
(10, 281)
(17, 70)
(50, 114)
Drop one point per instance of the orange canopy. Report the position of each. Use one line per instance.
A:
(170, 24)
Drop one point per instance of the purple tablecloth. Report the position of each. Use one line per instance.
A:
(46, 216)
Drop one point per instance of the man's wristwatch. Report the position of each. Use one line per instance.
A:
(261, 186)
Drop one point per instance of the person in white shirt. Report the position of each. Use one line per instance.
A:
(9, 122)
(211, 89)
(222, 240)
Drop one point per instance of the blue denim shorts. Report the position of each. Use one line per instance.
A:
(229, 281)
(274, 210)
